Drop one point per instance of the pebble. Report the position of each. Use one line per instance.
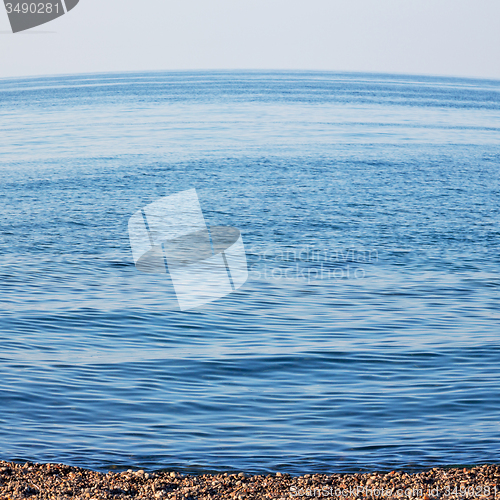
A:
(57, 481)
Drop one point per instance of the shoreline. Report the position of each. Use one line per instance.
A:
(61, 482)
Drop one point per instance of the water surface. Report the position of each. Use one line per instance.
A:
(388, 184)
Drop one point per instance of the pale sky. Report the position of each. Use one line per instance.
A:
(431, 37)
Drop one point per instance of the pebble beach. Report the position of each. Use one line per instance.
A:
(60, 482)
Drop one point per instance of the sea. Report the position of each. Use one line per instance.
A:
(367, 335)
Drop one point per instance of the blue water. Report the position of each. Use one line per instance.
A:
(388, 359)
